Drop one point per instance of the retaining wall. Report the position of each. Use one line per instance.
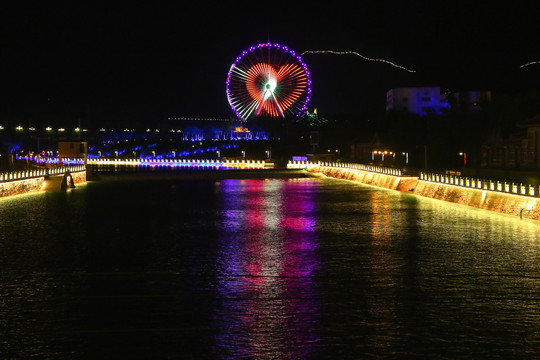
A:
(401, 183)
(511, 204)
(39, 183)
(17, 187)
(506, 203)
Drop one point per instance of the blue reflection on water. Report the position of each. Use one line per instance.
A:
(266, 265)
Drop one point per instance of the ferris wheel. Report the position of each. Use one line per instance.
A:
(270, 80)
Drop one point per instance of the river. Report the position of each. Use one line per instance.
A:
(303, 268)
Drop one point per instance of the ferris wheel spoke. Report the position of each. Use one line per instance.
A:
(263, 98)
(277, 105)
(250, 109)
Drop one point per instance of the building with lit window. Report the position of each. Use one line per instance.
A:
(415, 100)
(430, 101)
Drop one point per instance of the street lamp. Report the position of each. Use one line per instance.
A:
(406, 157)
(464, 154)
(218, 154)
(244, 154)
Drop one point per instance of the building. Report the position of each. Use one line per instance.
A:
(72, 149)
(416, 100)
(430, 101)
(520, 150)
(470, 100)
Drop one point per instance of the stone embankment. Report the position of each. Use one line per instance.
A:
(41, 180)
(523, 202)
(506, 203)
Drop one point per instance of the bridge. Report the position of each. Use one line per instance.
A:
(183, 163)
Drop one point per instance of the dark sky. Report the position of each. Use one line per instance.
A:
(159, 59)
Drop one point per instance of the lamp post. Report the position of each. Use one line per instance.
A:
(406, 154)
(464, 154)
(425, 155)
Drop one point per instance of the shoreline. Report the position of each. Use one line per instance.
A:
(524, 207)
(504, 203)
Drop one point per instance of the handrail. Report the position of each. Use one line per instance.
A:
(37, 173)
(353, 166)
(482, 184)
(455, 180)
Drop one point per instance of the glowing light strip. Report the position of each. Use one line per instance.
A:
(530, 63)
(359, 55)
(217, 164)
(277, 104)
(51, 160)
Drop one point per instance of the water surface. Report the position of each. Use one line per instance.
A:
(263, 269)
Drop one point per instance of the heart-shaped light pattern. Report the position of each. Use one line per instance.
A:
(273, 89)
(268, 79)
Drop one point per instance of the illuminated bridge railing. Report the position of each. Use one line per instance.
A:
(183, 163)
(51, 160)
(354, 166)
(38, 173)
(482, 184)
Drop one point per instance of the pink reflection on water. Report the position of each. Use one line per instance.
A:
(267, 269)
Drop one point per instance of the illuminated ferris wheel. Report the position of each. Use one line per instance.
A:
(268, 80)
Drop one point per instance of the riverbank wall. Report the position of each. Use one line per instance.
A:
(23, 182)
(506, 203)
(506, 198)
(389, 180)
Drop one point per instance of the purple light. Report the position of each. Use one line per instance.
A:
(238, 104)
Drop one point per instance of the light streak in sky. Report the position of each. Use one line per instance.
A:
(530, 63)
(359, 55)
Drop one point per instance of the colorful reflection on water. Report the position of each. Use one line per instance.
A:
(266, 267)
(284, 269)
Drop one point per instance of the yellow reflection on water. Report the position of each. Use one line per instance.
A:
(487, 223)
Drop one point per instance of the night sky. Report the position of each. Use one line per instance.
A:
(151, 61)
